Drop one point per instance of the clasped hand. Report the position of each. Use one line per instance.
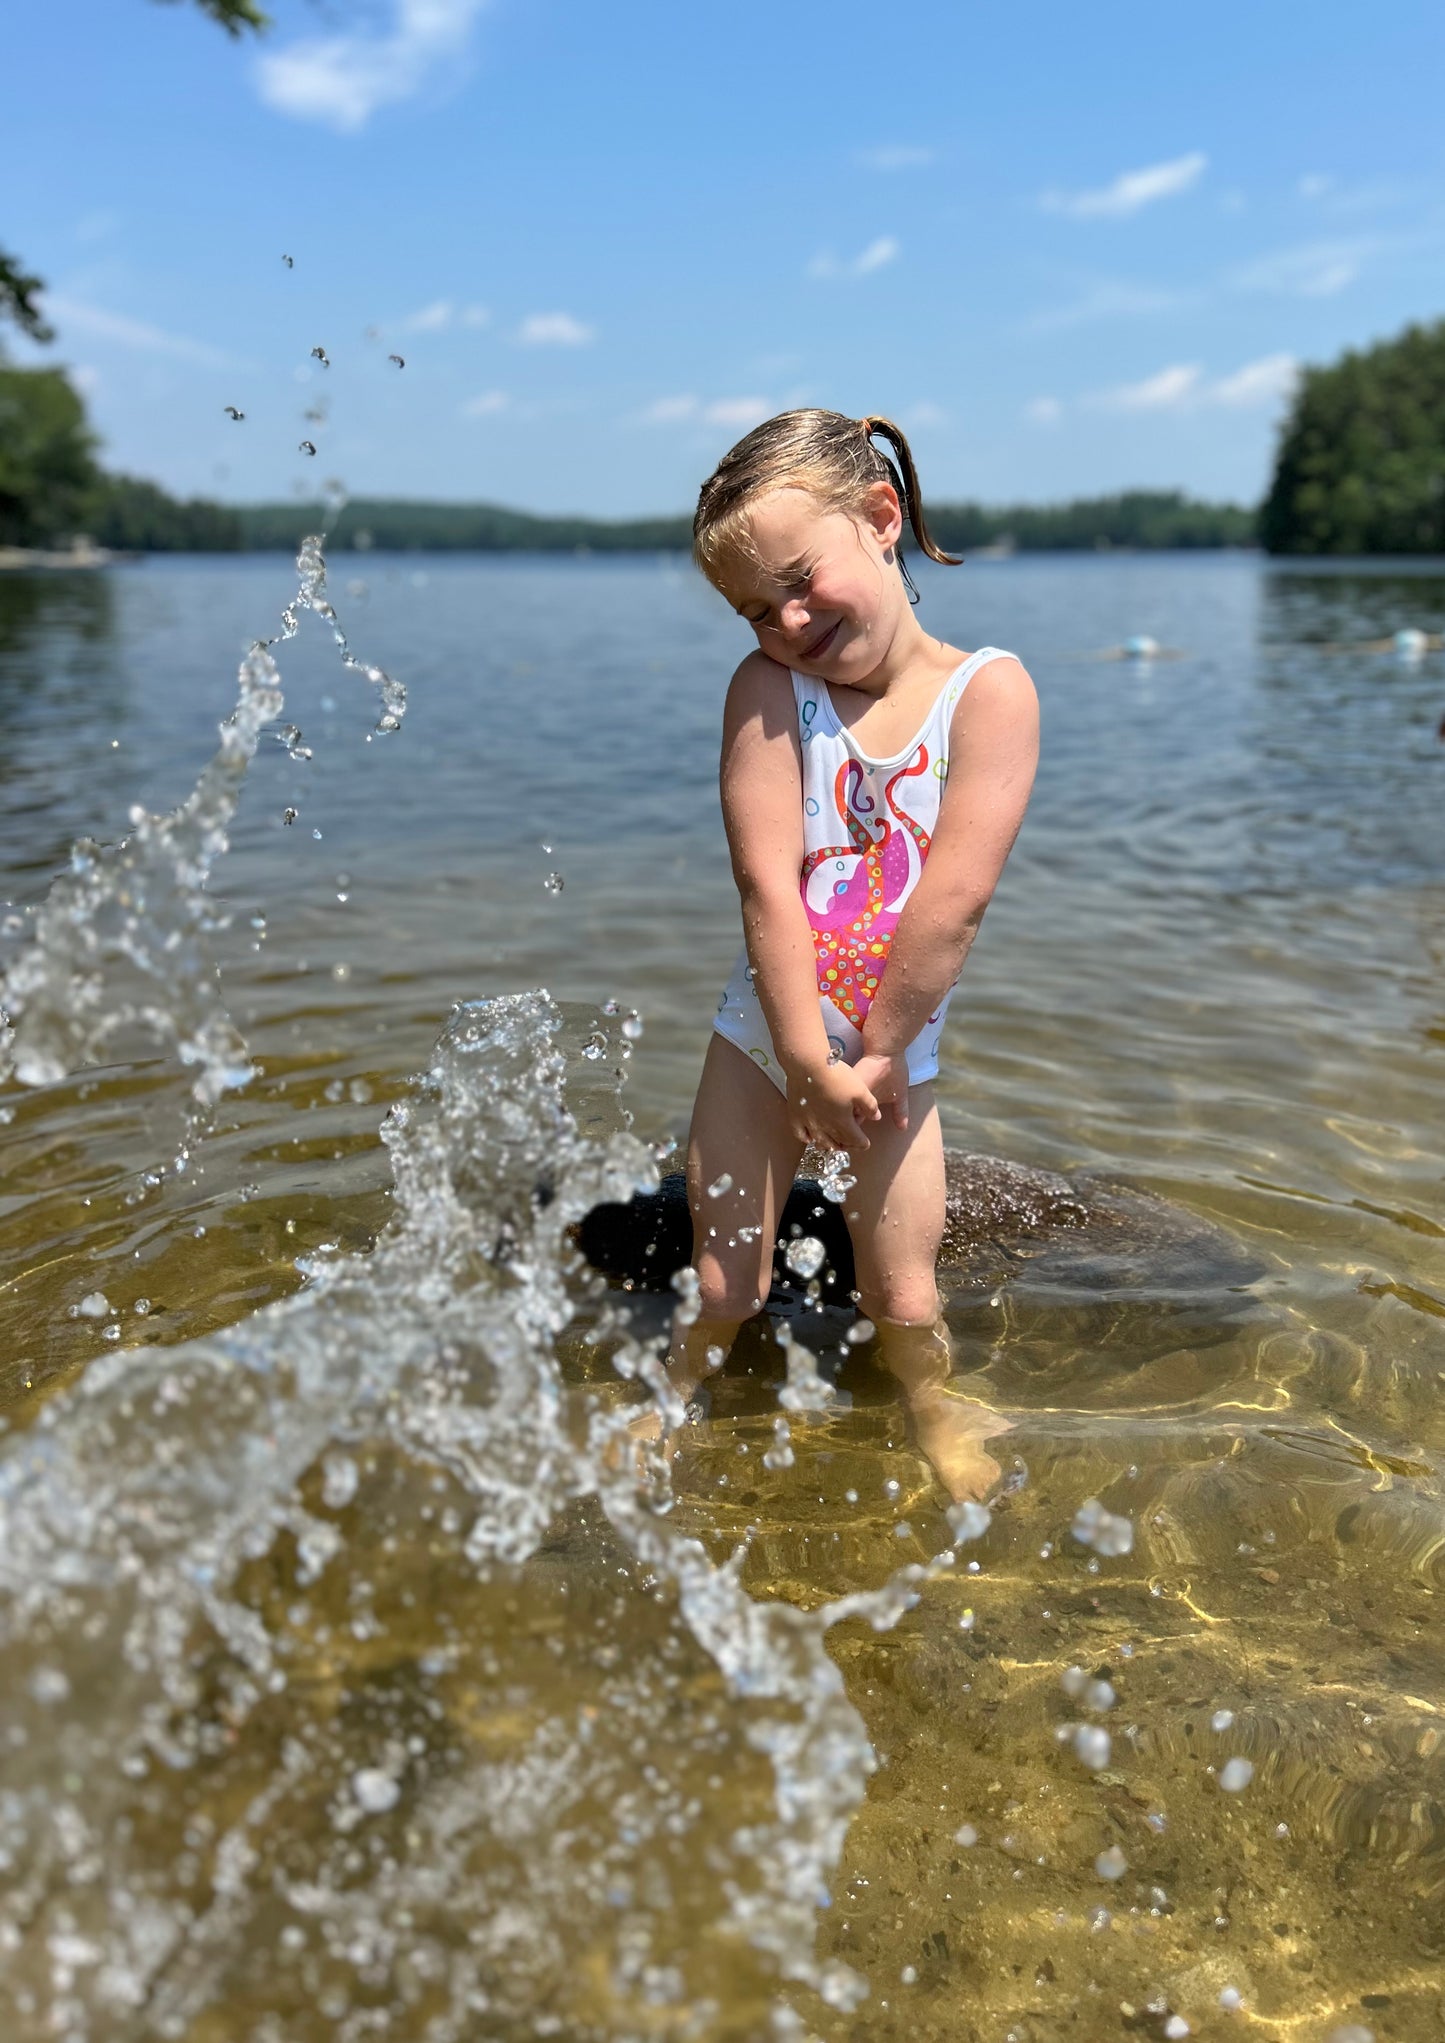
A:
(833, 1104)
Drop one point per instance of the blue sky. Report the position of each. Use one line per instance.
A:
(1071, 248)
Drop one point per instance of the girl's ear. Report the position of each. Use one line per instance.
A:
(883, 513)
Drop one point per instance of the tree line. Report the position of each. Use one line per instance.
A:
(1360, 469)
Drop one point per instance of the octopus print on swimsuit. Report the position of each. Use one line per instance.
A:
(854, 893)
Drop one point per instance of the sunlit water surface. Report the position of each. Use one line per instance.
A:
(356, 1692)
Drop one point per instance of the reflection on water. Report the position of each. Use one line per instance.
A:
(362, 1694)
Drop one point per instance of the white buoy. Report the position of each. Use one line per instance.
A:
(1411, 643)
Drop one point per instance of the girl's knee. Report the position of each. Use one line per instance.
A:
(729, 1290)
(905, 1300)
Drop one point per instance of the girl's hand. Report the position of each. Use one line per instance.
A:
(887, 1080)
(829, 1105)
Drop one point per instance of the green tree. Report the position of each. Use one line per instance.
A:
(235, 16)
(47, 457)
(1361, 462)
(17, 299)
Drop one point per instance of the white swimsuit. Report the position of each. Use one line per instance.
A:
(867, 826)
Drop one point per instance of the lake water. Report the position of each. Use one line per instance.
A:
(363, 1695)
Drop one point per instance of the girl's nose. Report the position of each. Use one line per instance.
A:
(794, 617)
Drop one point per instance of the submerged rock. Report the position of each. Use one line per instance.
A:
(1083, 1235)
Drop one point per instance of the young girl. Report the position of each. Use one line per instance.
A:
(873, 782)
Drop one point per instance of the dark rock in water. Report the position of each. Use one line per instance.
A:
(1071, 1236)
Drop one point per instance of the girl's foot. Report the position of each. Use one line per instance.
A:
(951, 1431)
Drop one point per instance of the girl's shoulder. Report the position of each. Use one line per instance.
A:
(999, 702)
(758, 683)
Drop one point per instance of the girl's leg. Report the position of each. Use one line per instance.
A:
(740, 1132)
(896, 1215)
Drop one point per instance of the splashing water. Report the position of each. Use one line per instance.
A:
(253, 1775)
(120, 943)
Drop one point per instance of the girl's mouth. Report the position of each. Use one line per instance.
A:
(821, 645)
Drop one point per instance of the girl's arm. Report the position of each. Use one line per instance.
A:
(994, 749)
(762, 801)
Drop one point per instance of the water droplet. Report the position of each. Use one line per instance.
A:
(320, 355)
(1111, 1864)
(1236, 1774)
(554, 883)
(720, 1185)
(1099, 1695)
(1092, 1746)
(595, 1046)
(142, 1306)
(1230, 1999)
(110, 1333)
(375, 1790)
(306, 447)
(632, 1026)
(861, 1330)
(966, 1835)
(780, 1454)
(94, 1305)
(289, 262)
(805, 1256)
(1176, 2028)
(1221, 1720)
(232, 413)
(317, 835)
(289, 815)
(339, 1480)
(689, 1291)
(400, 360)
(968, 1520)
(1102, 1530)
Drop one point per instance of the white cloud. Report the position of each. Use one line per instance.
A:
(1108, 298)
(430, 319)
(136, 333)
(716, 411)
(736, 411)
(1317, 270)
(1168, 390)
(1314, 186)
(441, 314)
(553, 329)
(341, 80)
(668, 411)
(876, 256)
(1043, 411)
(96, 226)
(897, 156)
(487, 405)
(1184, 387)
(1267, 381)
(1131, 190)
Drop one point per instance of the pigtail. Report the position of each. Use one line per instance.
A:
(904, 478)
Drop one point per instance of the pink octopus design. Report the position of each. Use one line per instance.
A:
(854, 927)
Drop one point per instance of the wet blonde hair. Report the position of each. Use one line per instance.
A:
(827, 454)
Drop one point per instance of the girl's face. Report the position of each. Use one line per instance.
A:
(825, 595)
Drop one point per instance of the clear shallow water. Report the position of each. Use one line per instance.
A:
(1212, 971)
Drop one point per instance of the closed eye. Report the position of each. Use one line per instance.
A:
(794, 584)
